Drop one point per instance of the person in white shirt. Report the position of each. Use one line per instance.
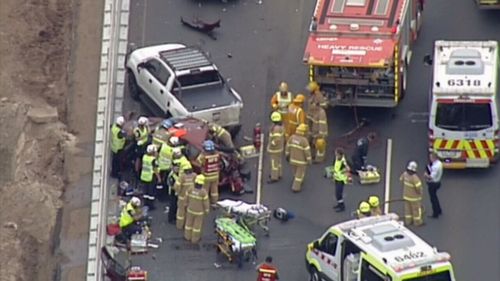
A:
(433, 176)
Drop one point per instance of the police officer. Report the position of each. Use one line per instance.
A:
(359, 157)
(412, 194)
(149, 171)
(363, 210)
(266, 271)
(197, 207)
(183, 183)
(340, 177)
(209, 161)
(275, 146)
(130, 215)
(118, 138)
(298, 153)
(374, 205)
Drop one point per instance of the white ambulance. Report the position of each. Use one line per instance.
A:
(463, 119)
(375, 249)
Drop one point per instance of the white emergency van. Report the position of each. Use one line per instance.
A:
(463, 118)
(375, 249)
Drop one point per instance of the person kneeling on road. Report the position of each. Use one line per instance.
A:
(129, 217)
(363, 210)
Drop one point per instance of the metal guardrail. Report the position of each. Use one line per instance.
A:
(109, 104)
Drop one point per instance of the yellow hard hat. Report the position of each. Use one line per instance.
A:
(373, 200)
(312, 86)
(299, 98)
(364, 207)
(276, 117)
(320, 144)
(283, 87)
(200, 179)
(302, 128)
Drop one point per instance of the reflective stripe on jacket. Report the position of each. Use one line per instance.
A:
(299, 150)
(147, 168)
(141, 135)
(412, 186)
(340, 169)
(165, 157)
(276, 139)
(117, 141)
(125, 217)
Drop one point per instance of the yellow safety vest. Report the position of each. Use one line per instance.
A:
(339, 170)
(125, 218)
(165, 157)
(117, 143)
(283, 102)
(143, 135)
(147, 168)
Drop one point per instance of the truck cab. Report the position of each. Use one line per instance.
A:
(375, 249)
(179, 81)
(463, 118)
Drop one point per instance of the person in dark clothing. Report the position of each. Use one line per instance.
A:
(360, 154)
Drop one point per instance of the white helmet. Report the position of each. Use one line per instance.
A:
(120, 120)
(135, 201)
(174, 140)
(177, 151)
(412, 166)
(143, 120)
(151, 148)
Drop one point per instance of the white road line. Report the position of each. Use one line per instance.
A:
(387, 192)
(259, 170)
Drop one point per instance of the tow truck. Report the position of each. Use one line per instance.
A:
(377, 248)
(359, 50)
(488, 4)
(463, 119)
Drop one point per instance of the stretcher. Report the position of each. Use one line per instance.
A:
(235, 242)
(370, 175)
(247, 215)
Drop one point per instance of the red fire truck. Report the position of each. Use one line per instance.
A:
(359, 50)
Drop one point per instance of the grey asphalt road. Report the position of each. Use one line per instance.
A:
(266, 43)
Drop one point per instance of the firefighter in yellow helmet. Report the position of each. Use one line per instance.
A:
(298, 153)
(374, 206)
(296, 115)
(183, 183)
(319, 133)
(363, 210)
(412, 194)
(275, 146)
(197, 207)
(316, 98)
(221, 136)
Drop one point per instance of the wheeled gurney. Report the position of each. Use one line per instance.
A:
(247, 215)
(235, 242)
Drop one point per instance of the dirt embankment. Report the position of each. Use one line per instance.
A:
(35, 40)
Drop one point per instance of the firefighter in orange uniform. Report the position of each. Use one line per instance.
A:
(197, 208)
(275, 147)
(296, 115)
(267, 271)
(281, 100)
(298, 153)
(209, 161)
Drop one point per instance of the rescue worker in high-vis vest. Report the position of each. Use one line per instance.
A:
(141, 135)
(149, 173)
(412, 194)
(275, 146)
(374, 206)
(165, 157)
(296, 115)
(318, 133)
(281, 100)
(177, 161)
(209, 162)
(197, 207)
(221, 136)
(118, 138)
(340, 177)
(315, 99)
(183, 183)
(130, 215)
(266, 271)
(298, 153)
(363, 210)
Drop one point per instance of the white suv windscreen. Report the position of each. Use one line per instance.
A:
(464, 116)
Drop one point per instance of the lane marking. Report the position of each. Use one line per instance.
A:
(259, 170)
(387, 191)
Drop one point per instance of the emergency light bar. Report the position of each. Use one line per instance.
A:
(346, 226)
(438, 257)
